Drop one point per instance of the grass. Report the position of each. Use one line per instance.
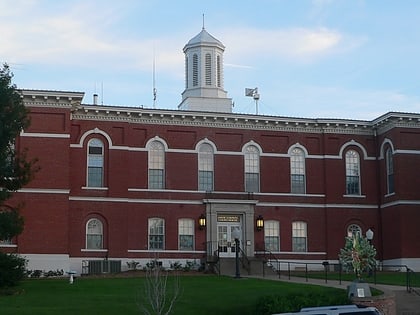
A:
(202, 295)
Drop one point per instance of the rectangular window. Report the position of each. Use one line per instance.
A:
(252, 182)
(95, 176)
(271, 236)
(156, 179)
(299, 237)
(186, 234)
(205, 180)
(352, 185)
(298, 184)
(156, 233)
(93, 241)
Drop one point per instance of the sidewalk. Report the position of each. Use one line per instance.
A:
(407, 303)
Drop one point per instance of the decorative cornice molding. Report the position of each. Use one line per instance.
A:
(220, 120)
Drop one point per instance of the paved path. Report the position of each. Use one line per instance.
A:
(407, 303)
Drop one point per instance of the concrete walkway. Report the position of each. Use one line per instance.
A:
(407, 303)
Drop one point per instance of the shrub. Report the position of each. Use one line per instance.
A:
(293, 302)
(12, 270)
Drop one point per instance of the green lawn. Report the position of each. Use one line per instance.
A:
(200, 295)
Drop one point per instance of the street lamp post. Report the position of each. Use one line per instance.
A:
(369, 236)
(236, 234)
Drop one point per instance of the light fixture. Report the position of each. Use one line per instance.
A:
(369, 234)
(260, 223)
(202, 221)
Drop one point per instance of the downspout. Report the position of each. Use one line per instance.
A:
(379, 194)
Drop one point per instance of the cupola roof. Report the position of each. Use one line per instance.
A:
(204, 38)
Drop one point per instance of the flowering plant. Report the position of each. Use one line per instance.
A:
(358, 254)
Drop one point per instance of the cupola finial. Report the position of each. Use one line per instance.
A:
(203, 21)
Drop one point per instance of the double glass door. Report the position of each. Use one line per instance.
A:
(226, 238)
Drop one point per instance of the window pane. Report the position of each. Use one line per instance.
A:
(352, 173)
(390, 171)
(298, 184)
(297, 171)
(205, 167)
(352, 185)
(205, 180)
(186, 234)
(354, 229)
(186, 242)
(94, 242)
(252, 182)
(156, 165)
(156, 179)
(272, 236)
(252, 169)
(94, 234)
(299, 244)
(95, 177)
(95, 163)
(156, 233)
(299, 236)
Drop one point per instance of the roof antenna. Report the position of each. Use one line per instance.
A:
(154, 79)
(203, 21)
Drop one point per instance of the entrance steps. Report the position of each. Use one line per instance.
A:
(256, 267)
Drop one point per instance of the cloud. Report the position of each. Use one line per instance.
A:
(297, 44)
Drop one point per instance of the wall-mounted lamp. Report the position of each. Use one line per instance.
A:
(369, 235)
(260, 223)
(202, 222)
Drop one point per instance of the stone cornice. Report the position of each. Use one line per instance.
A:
(140, 115)
(220, 120)
(55, 99)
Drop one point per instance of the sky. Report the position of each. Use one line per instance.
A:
(349, 59)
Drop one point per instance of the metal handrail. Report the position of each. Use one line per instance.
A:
(244, 260)
(285, 266)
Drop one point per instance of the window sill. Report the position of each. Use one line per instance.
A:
(390, 194)
(94, 250)
(354, 196)
(94, 188)
(8, 245)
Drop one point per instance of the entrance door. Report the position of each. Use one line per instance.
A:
(225, 239)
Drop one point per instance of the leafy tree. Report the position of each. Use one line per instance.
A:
(15, 172)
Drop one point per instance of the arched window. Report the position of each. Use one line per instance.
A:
(219, 71)
(205, 167)
(208, 69)
(297, 171)
(252, 169)
(352, 173)
(272, 236)
(354, 229)
(186, 234)
(94, 234)
(95, 172)
(195, 70)
(389, 171)
(299, 236)
(156, 165)
(156, 233)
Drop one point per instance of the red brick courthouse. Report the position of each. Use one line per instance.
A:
(131, 184)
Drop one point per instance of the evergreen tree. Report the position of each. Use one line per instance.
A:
(15, 172)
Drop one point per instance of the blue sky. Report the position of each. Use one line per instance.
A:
(355, 59)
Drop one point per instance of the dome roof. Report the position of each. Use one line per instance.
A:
(204, 38)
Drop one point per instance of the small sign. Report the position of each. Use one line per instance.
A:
(228, 218)
(360, 292)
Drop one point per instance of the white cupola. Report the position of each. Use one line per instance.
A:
(204, 75)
